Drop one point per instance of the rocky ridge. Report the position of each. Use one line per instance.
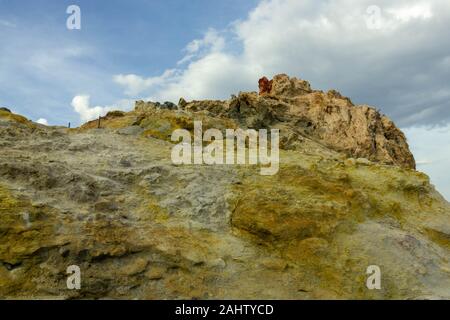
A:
(327, 118)
(109, 200)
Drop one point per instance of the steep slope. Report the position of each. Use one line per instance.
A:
(110, 200)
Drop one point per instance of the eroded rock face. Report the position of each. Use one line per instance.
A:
(327, 118)
(110, 201)
(283, 86)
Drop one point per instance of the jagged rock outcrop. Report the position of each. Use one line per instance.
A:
(110, 201)
(283, 86)
(142, 105)
(328, 118)
(265, 86)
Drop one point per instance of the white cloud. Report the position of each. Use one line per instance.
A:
(400, 67)
(42, 121)
(135, 84)
(407, 13)
(80, 104)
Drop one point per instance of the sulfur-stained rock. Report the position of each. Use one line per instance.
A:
(111, 202)
(136, 266)
(105, 206)
(363, 161)
(155, 273)
(350, 162)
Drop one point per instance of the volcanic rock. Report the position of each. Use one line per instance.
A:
(265, 86)
(111, 201)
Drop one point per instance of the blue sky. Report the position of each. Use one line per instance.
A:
(391, 55)
(47, 65)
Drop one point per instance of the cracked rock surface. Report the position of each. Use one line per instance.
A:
(110, 201)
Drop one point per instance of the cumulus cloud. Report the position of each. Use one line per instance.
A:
(81, 105)
(42, 121)
(211, 42)
(401, 66)
(135, 84)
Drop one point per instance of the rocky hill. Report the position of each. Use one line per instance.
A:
(107, 198)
